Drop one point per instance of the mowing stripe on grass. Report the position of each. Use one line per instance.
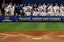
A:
(41, 27)
(52, 26)
(30, 26)
(61, 26)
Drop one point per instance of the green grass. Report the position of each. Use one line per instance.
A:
(33, 26)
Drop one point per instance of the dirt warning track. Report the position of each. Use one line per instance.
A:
(32, 36)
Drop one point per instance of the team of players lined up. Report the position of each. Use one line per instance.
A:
(32, 10)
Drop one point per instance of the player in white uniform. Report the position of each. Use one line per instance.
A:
(35, 12)
(50, 10)
(27, 13)
(10, 5)
(44, 7)
(43, 13)
(6, 10)
(56, 10)
(12, 9)
(25, 8)
(40, 7)
(29, 7)
(61, 10)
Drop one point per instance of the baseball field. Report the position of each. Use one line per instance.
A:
(31, 32)
(31, 26)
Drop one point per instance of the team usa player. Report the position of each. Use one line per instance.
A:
(32, 9)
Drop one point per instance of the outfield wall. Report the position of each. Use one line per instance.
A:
(33, 18)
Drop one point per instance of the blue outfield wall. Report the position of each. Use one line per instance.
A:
(42, 1)
(34, 18)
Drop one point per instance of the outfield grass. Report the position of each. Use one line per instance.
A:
(36, 26)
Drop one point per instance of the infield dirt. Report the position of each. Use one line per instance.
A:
(32, 36)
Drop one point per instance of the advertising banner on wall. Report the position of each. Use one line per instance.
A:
(32, 19)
